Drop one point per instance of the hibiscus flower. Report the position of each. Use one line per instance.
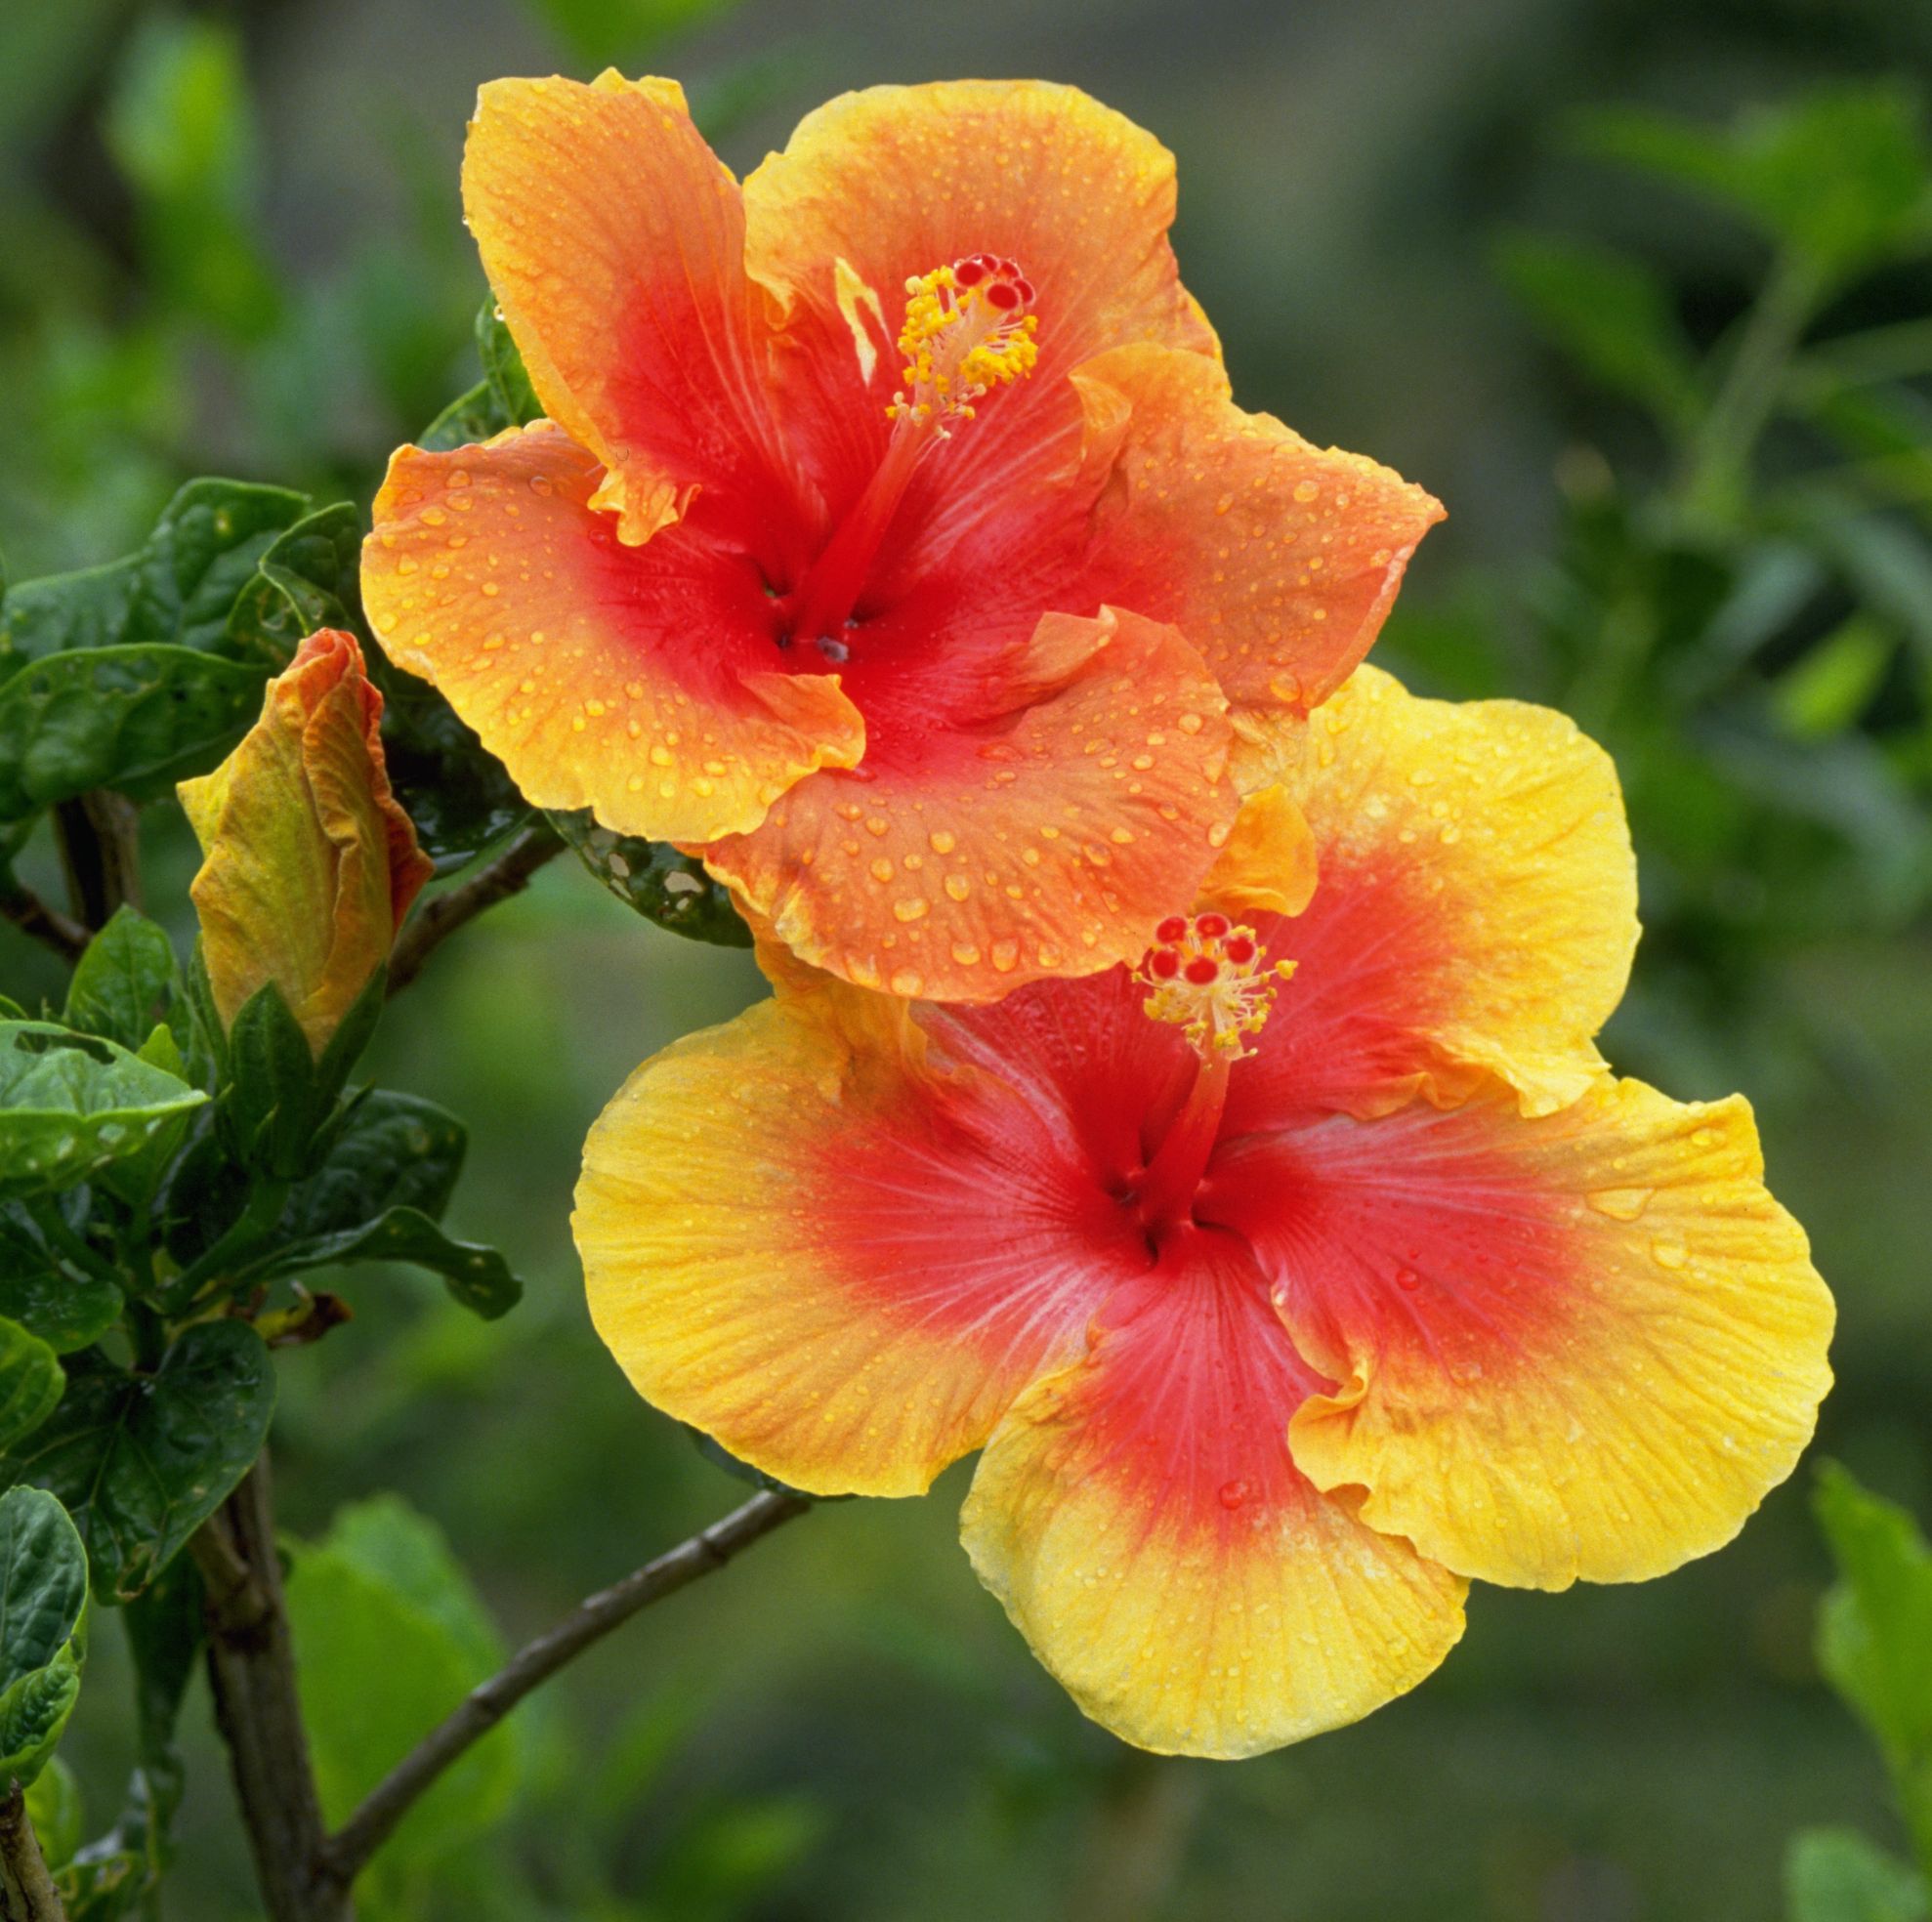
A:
(892, 539)
(1288, 1284)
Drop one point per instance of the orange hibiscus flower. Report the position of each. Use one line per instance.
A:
(892, 539)
(1352, 1275)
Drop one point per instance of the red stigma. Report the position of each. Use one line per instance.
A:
(1001, 295)
(1164, 963)
(970, 273)
(1210, 927)
(1173, 929)
(1239, 949)
(1201, 970)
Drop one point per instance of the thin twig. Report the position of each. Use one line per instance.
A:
(251, 1670)
(442, 914)
(99, 838)
(593, 1618)
(26, 1891)
(31, 915)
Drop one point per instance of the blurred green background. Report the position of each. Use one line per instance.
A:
(1642, 292)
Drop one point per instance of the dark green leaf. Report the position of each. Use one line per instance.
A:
(1835, 1875)
(653, 878)
(1611, 315)
(394, 1150)
(477, 1277)
(305, 579)
(469, 418)
(121, 986)
(504, 373)
(43, 1599)
(133, 718)
(175, 590)
(457, 793)
(1875, 1635)
(142, 1460)
(68, 1309)
(30, 1383)
(72, 1104)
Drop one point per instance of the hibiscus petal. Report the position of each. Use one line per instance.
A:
(614, 241)
(1585, 1345)
(573, 658)
(837, 1257)
(970, 854)
(896, 181)
(1277, 558)
(1140, 1518)
(1476, 911)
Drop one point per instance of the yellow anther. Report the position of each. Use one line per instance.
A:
(1212, 980)
(968, 329)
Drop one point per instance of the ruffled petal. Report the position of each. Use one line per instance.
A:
(614, 241)
(1476, 911)
(876, 188)
(973, 852)
(636, 684)
(1139, 1517)
(1582, 1346)
(837, 1256)
(1277, 558)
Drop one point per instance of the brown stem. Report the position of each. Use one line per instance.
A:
(100, 836)
(26, 1891)
(251, 1670)
(365, 1831)
(442, 914)
(31, 915)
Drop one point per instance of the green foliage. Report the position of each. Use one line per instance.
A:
(43, 1611)
(653, 877)
(142, 1459)
(64, 1305)
(1875, 1636)
(380, 1595)
(70, 1105)
(121, 988)
(32, 1382)
(1835, 1875)
(1837, 177)
(53, 1805)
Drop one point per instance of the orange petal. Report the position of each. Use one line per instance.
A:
(1579, 1345)
(1269, 866)
(1277, 560)
(838, 1257)
(310, 862)
(614, 241)
(1139, 1517)
(963, 861)
(1477, 908)
(637, 686)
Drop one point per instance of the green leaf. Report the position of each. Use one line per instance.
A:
(31, 1383)
(394, 1150)
(477, 1277)
(457, 793)
(121, 985)
(662, 885)
(68, 1309)
(504, 373)
(177, 589)
(43, 1603)
(134, 719)
(1826, 691)
(1612, 316)
(380, 1595)
(1835, 1875)
(1842, 178)
(142, 1460)
(469, 418)
(53, 1805)
(306, 578)
(70, 1105)
(1875, 1635)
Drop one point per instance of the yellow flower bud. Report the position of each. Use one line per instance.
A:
(310, 862)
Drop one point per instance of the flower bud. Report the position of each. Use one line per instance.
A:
(310, 862)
